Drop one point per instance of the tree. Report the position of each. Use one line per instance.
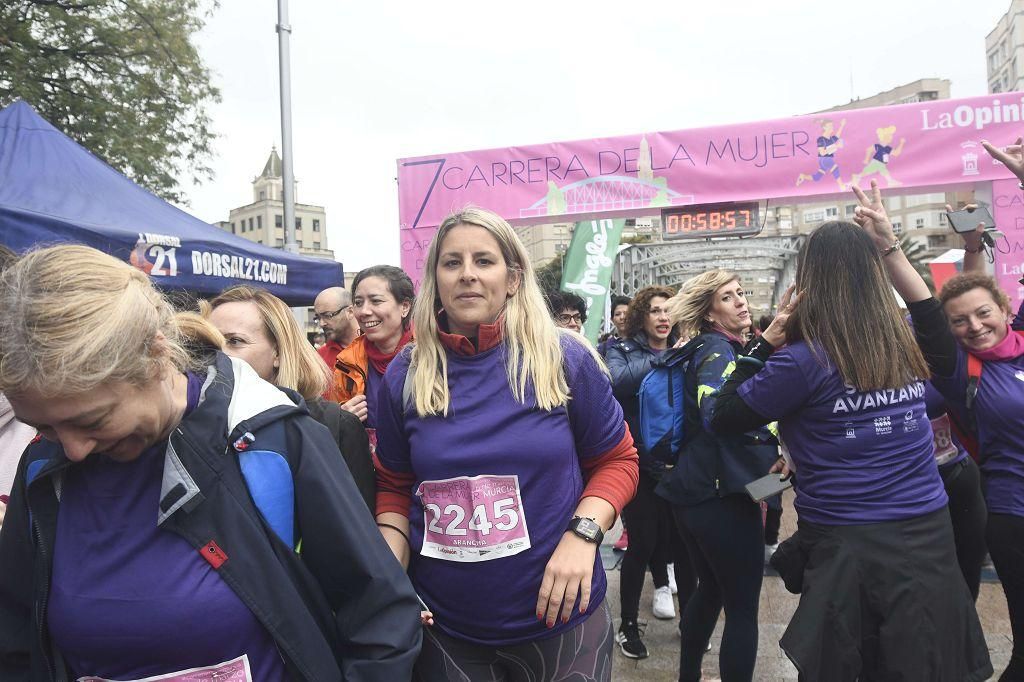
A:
(915, 252)
(120, 77)
(549, 276)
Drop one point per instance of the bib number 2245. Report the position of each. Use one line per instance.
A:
(476, 518)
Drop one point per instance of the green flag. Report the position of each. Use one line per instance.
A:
(587, 268)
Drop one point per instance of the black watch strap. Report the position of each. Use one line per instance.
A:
(587, 529)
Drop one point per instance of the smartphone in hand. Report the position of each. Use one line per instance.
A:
(966, 220)
(768, 486)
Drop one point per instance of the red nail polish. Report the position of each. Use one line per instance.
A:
(550, 625)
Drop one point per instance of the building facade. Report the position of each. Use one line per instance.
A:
(548, 242)
(262, 220)
(1004, 51)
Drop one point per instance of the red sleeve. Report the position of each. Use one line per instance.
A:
(394, 490)
(612, 476)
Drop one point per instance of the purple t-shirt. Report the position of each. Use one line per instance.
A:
(998, 408)
(373, 382)
(497, 483)
(860, 457)
(129, 599)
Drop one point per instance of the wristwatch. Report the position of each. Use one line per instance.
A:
(588, 529)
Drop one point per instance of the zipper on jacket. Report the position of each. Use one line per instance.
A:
(362, 373)
(44, 599)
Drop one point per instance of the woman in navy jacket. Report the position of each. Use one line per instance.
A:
(721, 526)
(179, 512)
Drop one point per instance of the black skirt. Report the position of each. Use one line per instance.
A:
(885, 602)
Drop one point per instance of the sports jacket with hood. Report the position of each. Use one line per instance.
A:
(249, 473)
(629, 361)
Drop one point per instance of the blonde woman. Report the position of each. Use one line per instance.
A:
(503, 459)
(157, 526)
(719, 523)
(259, 328)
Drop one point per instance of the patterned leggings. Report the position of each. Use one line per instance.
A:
(583, 654)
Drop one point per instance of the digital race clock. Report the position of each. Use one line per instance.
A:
(710, 220)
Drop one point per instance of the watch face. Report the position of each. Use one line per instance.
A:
(588, 527)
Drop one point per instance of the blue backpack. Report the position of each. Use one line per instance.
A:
(662, 419)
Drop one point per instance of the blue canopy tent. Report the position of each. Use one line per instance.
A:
(52, 190)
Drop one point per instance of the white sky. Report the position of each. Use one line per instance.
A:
(376, 81)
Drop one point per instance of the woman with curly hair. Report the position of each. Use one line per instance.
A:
(653, 538)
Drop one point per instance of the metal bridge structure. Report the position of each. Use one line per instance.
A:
(769, 260)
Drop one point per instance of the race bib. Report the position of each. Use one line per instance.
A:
(235, 670)
(473, 518)
(942, 438)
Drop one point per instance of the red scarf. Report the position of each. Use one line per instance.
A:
(487, 336)
(379, 359)
(1009, 348)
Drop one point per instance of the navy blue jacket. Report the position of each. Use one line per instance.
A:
(313, 569)
(629, 361)
(711, 465)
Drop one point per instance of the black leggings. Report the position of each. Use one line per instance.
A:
(583, 654)
(968, 514)
(1005, 536)
(653, 539)
(725, 539)
(772, 524)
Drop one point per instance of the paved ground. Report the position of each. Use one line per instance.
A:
(777, 605)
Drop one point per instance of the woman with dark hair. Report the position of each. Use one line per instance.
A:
(647, 518)
(382, 298)
(719, 523)
(882, 596)
(619, 310)
(567, 309)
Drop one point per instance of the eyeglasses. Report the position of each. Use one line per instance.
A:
(566, 318)
(330, 316)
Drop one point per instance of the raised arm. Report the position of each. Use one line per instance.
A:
(873, 219)
(933, 335)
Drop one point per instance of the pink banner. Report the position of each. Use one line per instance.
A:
(1008, 210)
(921, 145)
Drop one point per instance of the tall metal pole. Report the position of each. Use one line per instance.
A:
(284, 32)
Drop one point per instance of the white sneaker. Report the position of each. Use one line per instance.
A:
(664, 605)
(672, 579)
